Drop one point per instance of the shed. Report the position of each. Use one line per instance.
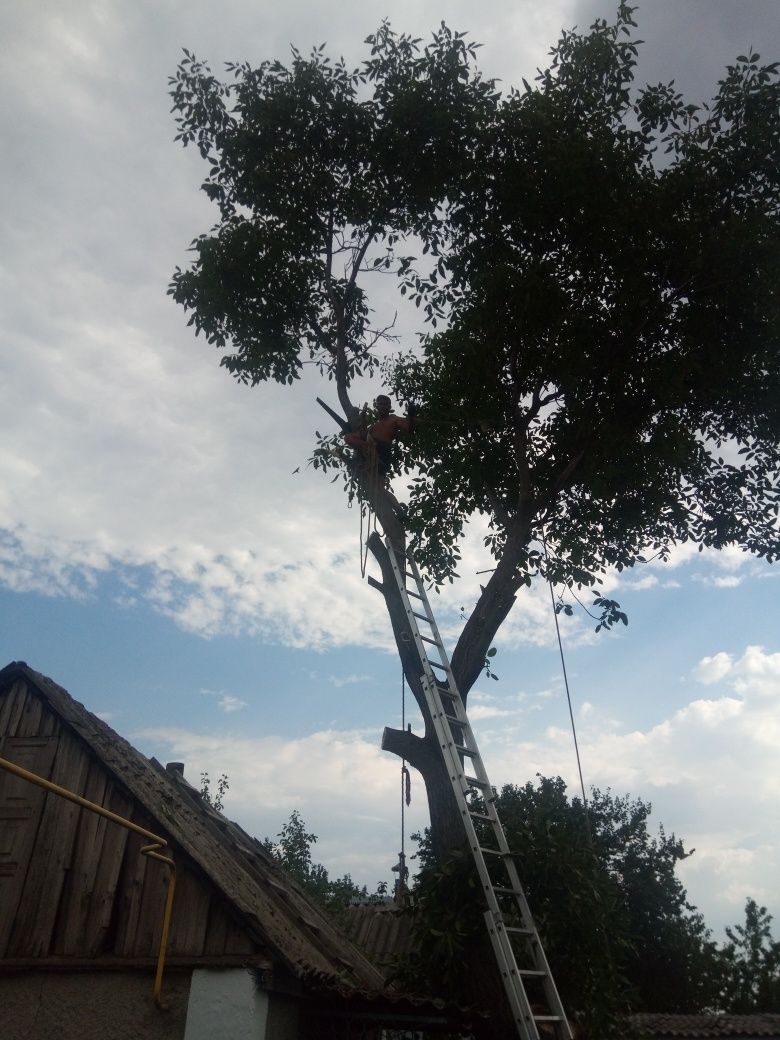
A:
(81, 910)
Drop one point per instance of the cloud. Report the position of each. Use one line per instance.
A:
(710, 770)
(347, 680)
(713, 669)
(229, 704)
(490, 711)
(346, 789)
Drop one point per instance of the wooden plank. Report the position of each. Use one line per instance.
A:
(50, 723)
(98, 933)
(237, 941)
(79, 890)
(216, 928)
(152, 906)
(34, 925)
(13, 706)
(21, 809)
(190, 913)
(12, 966)
(129, 894)
(29, 724)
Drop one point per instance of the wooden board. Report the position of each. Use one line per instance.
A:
(21, 809)
(33, 928)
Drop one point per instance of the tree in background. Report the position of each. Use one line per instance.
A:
(217, 797)
(293, 851)
(753, 958)
(614, 918)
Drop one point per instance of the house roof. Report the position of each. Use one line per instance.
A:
(723, 1027)
(268, 904)
(380, 930)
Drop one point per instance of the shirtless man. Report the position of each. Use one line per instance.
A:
(381, 435)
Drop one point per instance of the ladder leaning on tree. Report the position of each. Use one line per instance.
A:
(522, 964)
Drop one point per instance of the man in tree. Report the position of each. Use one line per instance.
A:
(616, 315)
(375, 445)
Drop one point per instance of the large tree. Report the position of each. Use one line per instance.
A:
(597, 270)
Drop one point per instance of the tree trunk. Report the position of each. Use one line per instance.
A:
(482, 984)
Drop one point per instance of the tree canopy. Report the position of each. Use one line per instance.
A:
(596, 266)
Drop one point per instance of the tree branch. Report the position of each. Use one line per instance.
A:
(492, 608)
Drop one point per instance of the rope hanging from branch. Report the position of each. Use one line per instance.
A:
(568, 693)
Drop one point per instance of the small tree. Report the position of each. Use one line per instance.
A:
(753, 957)
(216, 798)
(293, 850)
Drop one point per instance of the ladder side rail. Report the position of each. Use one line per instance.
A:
(504, 953)
(456, 764)
(420, 645)
(415, 572)
(518, 998)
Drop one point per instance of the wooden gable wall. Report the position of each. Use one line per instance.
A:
(74, 885)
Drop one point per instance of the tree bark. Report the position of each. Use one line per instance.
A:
(423, 752)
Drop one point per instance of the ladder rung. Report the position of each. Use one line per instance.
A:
(476, 782)
(532, 973)
(422, 617)
(410, 593)
(547, 1018)
(479, 816)
(502, 890)
(444, 668)
(410, 574)
(465, 751)
(426, 639)
(516, 930)
(494, 852)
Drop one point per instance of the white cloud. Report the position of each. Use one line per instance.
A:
(711, 770)
(490, 711)
(347, 680)
(346, 789)
(713, 669)
(228, 703)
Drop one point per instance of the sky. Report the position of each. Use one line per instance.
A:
(167, 556)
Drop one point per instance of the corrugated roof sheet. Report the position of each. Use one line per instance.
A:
(380, 930)
(723, 1027)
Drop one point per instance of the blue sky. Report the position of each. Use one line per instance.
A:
(160, 559)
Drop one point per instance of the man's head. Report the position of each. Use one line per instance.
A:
(382, 405)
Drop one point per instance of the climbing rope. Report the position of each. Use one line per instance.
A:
(568, 693)
(372, 468)
(405, 793)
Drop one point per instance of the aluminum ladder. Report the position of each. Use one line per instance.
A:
(518, 950)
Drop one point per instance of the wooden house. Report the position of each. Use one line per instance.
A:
(82, 910)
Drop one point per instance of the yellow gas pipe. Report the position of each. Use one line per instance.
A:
(153, 851)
